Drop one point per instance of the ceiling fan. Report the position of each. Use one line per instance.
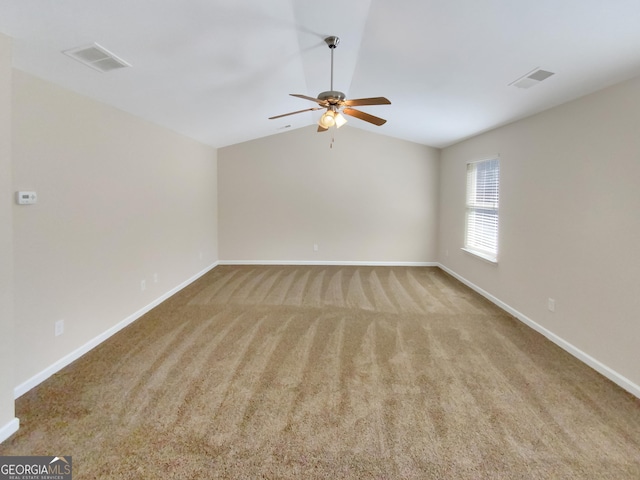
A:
(335, 103)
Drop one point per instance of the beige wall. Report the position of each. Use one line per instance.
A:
(569, 222)
(120, 200)
(370, 198)
(7, 334)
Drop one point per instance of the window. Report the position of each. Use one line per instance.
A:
(483, 181)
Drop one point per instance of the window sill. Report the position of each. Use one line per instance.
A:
(492, 259)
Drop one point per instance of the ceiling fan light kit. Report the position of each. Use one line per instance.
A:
(336, 103)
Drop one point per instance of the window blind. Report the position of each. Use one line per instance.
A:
(483, 182)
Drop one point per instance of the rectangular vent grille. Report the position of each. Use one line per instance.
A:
(532, 78)
(96, 57)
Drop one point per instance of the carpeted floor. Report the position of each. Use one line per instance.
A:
(331, 372)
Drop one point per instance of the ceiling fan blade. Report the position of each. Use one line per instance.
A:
(366, 101)
(305, 97)
(322, 129)
(293, 113)
(364, 116)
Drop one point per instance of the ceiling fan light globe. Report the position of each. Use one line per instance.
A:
(327, 120)
(339, 120)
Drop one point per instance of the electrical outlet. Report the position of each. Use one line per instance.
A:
(551, 305)
(59, 328)
(201, 255)
(315, 247)
(143, 285)
(155, 278)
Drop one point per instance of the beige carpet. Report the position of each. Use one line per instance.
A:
(331, 372)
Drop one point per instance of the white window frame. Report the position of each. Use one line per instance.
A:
(482, 211)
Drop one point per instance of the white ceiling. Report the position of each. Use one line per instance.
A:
(215, 70)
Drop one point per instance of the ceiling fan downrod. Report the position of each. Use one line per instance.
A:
(332, 42)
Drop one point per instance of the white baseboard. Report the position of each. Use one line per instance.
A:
(598, 366)
(71, 357)
(9, 429)
(328, 263)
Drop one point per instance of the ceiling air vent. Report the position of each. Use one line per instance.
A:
(532, 78)
(96, 57)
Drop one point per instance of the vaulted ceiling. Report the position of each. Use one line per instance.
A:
(215, 70)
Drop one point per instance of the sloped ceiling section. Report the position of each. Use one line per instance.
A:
(215, 70)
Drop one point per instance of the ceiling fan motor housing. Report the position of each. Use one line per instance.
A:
(332, 96)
